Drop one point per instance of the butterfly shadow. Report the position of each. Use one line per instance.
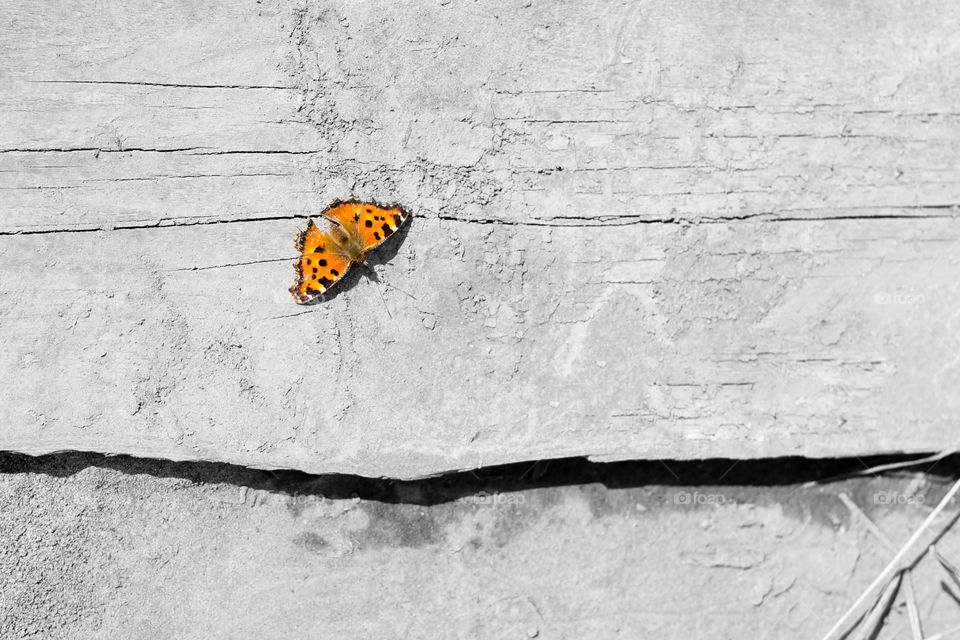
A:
(376, 258)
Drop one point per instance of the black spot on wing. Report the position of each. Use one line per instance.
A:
(334, 273)
(368, 222)
(386, 230)
(325, 282)
(319, 249)
(376, 235)
(321, 262)
(397, 220)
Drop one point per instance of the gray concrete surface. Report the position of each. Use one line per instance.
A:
(641, 230)
(117, 548)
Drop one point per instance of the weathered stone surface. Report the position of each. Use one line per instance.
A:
(642, 230)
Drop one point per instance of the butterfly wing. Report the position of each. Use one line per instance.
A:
(371, 224)
(320, 264)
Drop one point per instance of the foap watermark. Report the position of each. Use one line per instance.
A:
(697, 498)
(896, 498)
(902, 298)
(495, 499)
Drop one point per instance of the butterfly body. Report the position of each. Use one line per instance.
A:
(325, 257)
(347, 244)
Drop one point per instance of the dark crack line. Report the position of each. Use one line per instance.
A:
(173, 85)
(432, 488)
(100, 150)
(172, 177)
(574, 222)
(890, 216)
(196, 151)
(626, 221)
(160, 224)
(231, 152)
(233, 264)
(198, 176)
(293, 315)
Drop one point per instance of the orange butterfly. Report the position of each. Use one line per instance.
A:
(326, 256)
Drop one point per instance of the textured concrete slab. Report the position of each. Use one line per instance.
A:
(641, 230)
(114, 549)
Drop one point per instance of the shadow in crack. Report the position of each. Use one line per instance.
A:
(764, 473)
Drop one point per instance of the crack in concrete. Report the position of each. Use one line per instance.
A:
(503, 477)
(99, 150)
(558, 222)
(162, 223)
(766, 216)
(173, 85)
(198, 151)
(233, 264)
